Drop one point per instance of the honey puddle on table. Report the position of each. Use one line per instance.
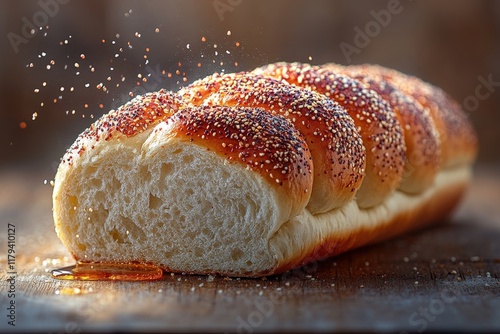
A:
(108, 272)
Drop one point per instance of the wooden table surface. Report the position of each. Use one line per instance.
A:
(444, 278)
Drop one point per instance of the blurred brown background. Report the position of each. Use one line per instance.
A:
(452, 44)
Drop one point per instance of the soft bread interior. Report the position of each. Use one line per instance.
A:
(167, 202)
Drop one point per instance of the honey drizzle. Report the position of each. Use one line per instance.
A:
(108, 272)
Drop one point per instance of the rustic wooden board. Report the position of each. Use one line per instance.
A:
(445, 278)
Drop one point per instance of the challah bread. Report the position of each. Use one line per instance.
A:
(337, 149)
(220, 177)
(375, 120)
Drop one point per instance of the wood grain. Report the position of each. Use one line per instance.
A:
(444, 278)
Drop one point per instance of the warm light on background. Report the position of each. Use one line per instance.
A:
(452, 44)
(64, 63)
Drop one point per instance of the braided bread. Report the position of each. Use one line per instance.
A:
(256, 173)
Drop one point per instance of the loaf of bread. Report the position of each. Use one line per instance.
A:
(256, 173)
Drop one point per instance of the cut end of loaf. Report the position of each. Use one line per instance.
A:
(152, 197)
(169, 212)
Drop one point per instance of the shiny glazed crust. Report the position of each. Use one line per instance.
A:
(457, 136)
(374, 118)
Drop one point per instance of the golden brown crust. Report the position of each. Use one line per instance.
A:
(335, 145)
(433, 209)
(457, 136)
(374, 118)
(267, 144)
(423, 153)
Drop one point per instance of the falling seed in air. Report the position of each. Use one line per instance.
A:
(157, 30)
(34, 116)
(44, 84)
(36, 90)
(203, 39)
(137, 35)
(22, 125)
(228, 33)
(187, 46)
